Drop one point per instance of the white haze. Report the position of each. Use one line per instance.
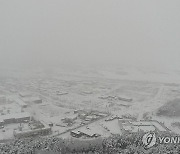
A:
(40, 33)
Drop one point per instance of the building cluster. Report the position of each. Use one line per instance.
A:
(84, 133)
(145, 126)
(14, 118)
(69, 120)
(119, 125)
(90, 115)
(116, 101)
(112, 98)
(20, 133)
(83, 115)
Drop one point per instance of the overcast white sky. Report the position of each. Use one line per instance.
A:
(122, 32)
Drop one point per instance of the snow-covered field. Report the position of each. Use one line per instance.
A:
(84, 88)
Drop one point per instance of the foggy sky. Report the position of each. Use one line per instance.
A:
(122, 32)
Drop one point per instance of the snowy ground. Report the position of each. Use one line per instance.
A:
(148, 89)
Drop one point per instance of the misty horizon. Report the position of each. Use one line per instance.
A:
(93, 33)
